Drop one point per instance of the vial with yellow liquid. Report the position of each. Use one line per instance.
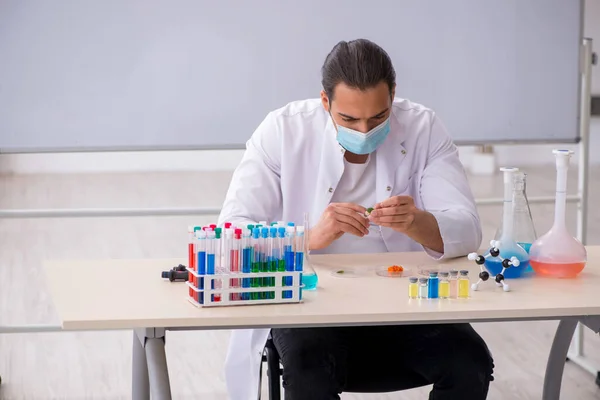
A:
(413, 288)
(444, 288)
(464, 284)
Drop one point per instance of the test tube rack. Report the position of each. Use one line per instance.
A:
(256, 264)
(224, 294)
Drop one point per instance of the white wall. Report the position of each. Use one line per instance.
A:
(522, 155)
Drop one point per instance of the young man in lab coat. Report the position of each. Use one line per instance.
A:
(356, 147)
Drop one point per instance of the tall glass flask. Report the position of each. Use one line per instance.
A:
(523, 228)
(558, 254)
(508, 245)
(309, 275)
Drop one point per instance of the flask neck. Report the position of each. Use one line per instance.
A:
(560, 210)
(561, 197)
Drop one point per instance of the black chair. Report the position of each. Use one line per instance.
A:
(274, 370)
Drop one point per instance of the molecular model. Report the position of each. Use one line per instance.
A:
(493, 253)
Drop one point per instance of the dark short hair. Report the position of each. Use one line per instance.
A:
(360, 64)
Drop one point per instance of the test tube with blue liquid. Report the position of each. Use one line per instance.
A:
(288, 250)
(281, 252)
(299, 261)
(274, 255)
(255, 266)
(201, 262)
(246, 261)
(264, 265)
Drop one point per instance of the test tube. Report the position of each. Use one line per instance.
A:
(234, 258)
(255, 268)
(274, 257)
(200, 264)
(463, 284)
(211, 243)
(453, 284)
(281, 258)
(246, 261)
(433, 285)
(444, 291)
(288, 249)
(220, 240)
(191, 251)
(423, 288)
(192, 259)
(299, 256)
(227, 248)
(264, 263)
(413, 287)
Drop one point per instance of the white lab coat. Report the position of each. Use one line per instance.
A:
(292, 165)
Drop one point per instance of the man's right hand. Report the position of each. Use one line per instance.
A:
(337, 219)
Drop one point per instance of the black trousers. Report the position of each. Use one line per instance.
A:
(320, 363)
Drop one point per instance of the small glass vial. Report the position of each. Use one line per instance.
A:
(444, 290)
(413, 288)
(453, 284)
(423, 288)
(463, 284)
(433, 290)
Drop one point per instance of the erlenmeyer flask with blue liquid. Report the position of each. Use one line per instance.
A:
(509, 247)
(523, 227)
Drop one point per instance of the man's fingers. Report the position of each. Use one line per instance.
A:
(391, 219)
(394, 201)
(359, 218)
(388, 211)
(351, 206)
(355, 220)
(348, 228)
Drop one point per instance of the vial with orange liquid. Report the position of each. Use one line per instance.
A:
(557, 254)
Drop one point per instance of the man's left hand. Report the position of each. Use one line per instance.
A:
(397, 212)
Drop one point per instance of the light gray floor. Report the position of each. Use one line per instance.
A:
(97, 364)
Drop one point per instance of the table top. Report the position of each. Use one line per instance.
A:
(126, 294)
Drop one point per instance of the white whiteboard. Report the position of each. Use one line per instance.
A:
(189, 74)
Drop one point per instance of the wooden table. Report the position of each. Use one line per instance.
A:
(129, 294)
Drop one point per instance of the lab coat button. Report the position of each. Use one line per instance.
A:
(389, 188)
(330, 190)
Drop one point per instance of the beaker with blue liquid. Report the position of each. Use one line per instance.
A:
(514, 196)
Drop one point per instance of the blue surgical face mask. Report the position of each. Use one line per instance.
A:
(363, 143)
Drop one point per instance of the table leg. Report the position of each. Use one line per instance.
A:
(157, 368)
(556, 360)
(140, 385)
(150, 371)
